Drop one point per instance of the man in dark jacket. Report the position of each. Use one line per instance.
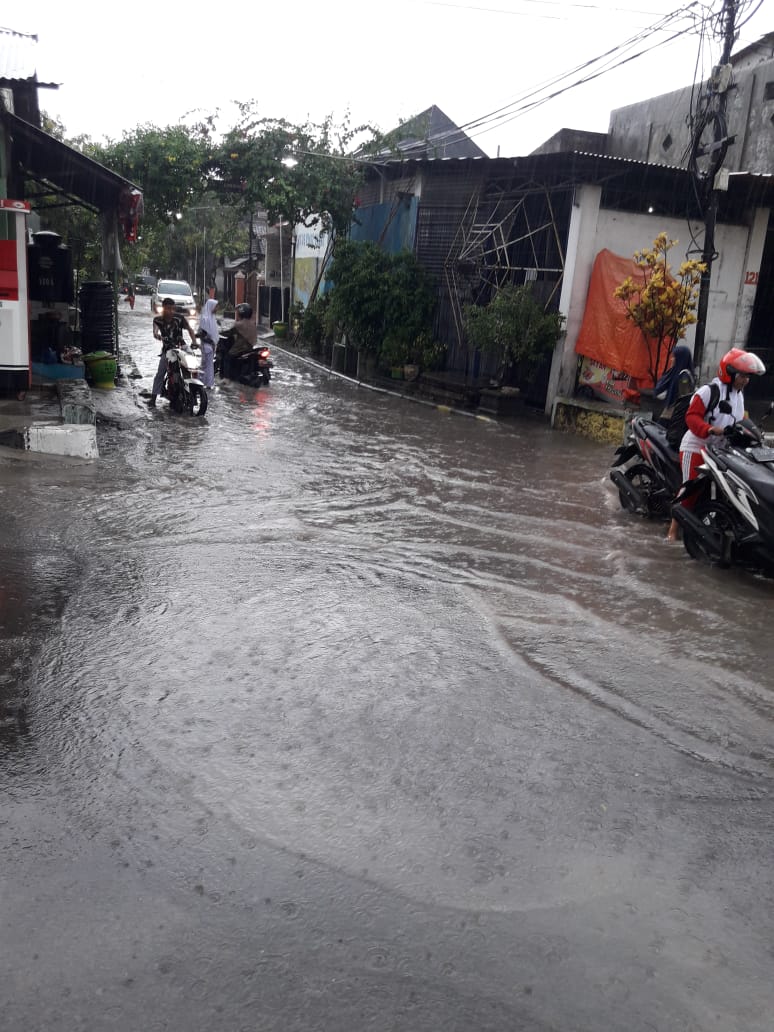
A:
(238, 343)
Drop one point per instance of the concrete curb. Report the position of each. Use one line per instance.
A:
(76, 402)
(445, 409)
(70, 439)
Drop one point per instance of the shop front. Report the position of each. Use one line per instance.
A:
(48, 320)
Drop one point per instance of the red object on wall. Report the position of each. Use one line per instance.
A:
(606, 334)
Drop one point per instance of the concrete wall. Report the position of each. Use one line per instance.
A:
(731, 297)
(579, 257)
(655, 130)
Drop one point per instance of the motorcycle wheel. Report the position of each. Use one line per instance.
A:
(719, 519)
(176, 402)
(640, 477)
(197, 400)
(266, 376)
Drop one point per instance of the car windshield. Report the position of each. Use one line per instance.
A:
(173, 287)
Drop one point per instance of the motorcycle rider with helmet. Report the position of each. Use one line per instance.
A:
(734, 372)
(238, 341)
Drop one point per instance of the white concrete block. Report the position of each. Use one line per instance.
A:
(74, 439)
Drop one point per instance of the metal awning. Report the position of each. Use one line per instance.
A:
(61, 169)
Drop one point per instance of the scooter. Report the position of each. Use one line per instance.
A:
(252, 368)
(265, 364)
(646, 470)
(182, 386)
(729, 518)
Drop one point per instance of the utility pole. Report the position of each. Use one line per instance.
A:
(709, 181)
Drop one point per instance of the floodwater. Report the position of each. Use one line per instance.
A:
(331, 711)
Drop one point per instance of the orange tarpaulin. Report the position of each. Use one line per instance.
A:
(606, 335)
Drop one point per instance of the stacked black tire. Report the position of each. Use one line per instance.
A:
(98, 329)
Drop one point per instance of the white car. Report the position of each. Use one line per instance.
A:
(179, 291)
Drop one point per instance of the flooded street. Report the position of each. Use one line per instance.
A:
(331, 711)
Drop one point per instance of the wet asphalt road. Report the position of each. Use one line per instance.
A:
(333, 712)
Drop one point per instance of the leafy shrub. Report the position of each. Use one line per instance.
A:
(515, 328)
(316, 324)
(383, 302)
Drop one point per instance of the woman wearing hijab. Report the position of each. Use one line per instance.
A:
(678, 381)
(208, 330)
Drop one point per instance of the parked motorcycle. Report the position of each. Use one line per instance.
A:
(730, 519)
(182, 386)
(646, 470)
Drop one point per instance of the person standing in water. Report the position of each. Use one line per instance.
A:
(208, 334)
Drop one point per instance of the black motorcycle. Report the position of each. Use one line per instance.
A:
(730, 516)
(251, 368)
(646, 470)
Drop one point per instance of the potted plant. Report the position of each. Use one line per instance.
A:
(515, 328)
(393, 355)
(280, 329)
(661, 304)
(425, 353)
(296, 315)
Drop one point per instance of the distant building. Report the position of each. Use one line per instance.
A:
(432, 134)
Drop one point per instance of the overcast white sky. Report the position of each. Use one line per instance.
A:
(143, 62)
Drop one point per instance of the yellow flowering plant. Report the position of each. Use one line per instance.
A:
(662, 304)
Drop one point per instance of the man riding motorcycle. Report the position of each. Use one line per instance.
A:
(236, 346)
(168, 328)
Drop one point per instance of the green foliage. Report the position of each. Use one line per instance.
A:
(659, 303)
(168, 164)
(316, 324)
(382, 301)
(302, 173)
(428, 352)
(515, 328)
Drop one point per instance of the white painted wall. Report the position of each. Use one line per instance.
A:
(578, 261)
(592, 229)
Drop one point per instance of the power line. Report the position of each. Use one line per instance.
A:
(543, 3)
(513, 109)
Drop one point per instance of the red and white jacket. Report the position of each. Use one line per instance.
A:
(697, 418)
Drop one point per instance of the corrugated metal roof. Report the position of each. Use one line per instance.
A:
(528, 159)
(50, 161)
(744, 187)
(18, 57)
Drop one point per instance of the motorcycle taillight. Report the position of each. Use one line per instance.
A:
(263, 353)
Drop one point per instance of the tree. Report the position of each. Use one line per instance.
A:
(169, 165)
(300, 173)
(303, 173)
(515, 328)
(661, 305)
